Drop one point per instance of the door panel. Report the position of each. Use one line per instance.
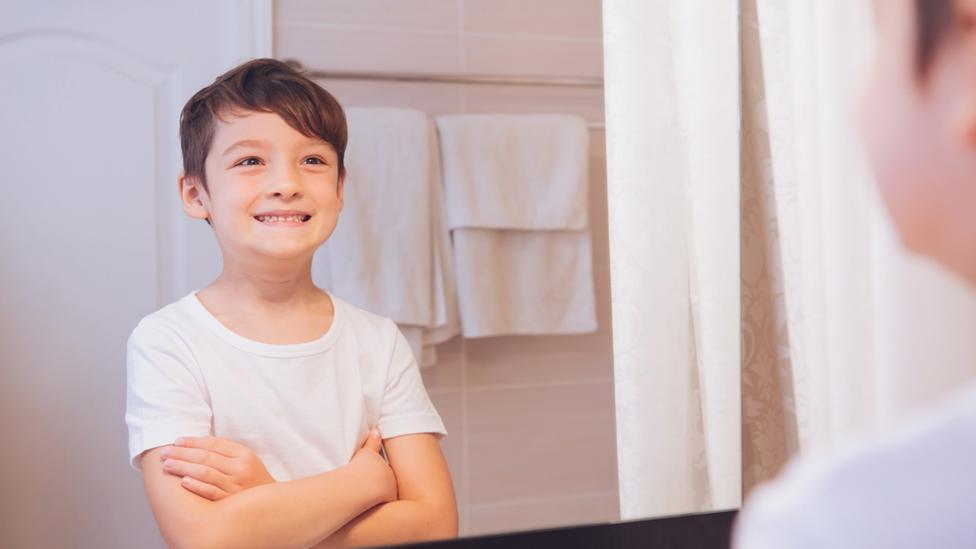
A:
(93, 239)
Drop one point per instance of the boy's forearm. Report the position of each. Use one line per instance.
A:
(395, 522)
(297, 513)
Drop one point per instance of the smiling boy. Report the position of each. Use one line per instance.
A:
(257, 407)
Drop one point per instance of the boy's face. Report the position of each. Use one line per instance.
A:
(921, 136)
(258, 164)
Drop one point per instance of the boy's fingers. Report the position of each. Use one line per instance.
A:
(219, 445)
(203, 489)
(198, 472)
(373, 441)
(198, 455)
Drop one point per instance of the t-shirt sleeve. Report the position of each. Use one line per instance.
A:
(406, 408)
(165, 395)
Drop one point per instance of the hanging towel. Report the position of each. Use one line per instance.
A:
(515, 171)
(389, 253)
(424, 339)
(516, 192)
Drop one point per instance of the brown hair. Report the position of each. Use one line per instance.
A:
(264, 85)
(933, 21)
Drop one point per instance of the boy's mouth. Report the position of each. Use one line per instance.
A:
(283, 219)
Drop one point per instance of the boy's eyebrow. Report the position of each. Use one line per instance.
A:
(258, 143)
(313, 142)
(244, 143)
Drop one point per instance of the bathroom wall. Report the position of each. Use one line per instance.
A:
(531, 419)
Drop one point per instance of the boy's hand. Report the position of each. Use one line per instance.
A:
(214, 467)
(368, 457)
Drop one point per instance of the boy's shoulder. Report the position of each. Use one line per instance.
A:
(885, 480)
(361, 321)
(173, 318)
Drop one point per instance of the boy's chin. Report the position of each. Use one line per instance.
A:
(296, 254)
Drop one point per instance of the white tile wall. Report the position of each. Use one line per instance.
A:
(531, 419)
(429, 15)
(368, 49)
(491, 54)
(530, 514)
(549, 440)
(561, 19)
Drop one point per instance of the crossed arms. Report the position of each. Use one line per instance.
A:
(365, 502)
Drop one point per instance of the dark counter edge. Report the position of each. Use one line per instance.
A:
(711, 530)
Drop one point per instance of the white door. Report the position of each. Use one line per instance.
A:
(92, 239)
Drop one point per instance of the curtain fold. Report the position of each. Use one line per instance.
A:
(831, 330)
(672, 154)
(810, 54)
(844, 332)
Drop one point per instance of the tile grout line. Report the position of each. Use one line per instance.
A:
(465, 523)
(466, 442)
(534, 501)
(517, 386)
(462, 56)
(439, 32)
(540, 384)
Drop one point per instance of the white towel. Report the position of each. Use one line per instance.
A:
(516, 191)
(524, 282)
(390, 253)
(515, 171)
(447, 324)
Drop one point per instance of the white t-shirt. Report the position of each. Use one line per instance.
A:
(912, 489)
(303, 408)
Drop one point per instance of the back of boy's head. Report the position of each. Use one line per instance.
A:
(261, 85)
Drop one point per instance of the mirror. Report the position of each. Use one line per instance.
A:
(532, 419)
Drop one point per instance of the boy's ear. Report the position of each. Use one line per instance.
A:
(190, 196)
(340, 188)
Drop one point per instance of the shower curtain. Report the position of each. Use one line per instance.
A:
(844, 332)
(672, 82)
(827, 329)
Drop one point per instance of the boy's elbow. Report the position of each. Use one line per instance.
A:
(446, 530)
(204, 531)
(186, 542)
(205, 538)
(194, 537)
(445, 523)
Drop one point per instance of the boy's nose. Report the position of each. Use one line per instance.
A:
(285, 182)
(289, 192)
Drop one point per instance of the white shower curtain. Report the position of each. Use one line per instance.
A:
(872, 332)
(842, 331)
(672, 86)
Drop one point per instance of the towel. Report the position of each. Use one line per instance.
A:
(524, 282)
(516, 191)
(515, 171)
(447, 324)
(390, 252)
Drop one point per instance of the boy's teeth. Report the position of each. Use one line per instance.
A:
(276, 218)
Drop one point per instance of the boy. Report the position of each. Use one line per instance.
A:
(914, 488)
(255, 406)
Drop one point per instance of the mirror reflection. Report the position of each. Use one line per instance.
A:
(522, 377)
(278, 284)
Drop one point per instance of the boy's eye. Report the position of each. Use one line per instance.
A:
(249, 161)
(314, 160)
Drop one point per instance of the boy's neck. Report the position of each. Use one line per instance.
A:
(264, 289)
